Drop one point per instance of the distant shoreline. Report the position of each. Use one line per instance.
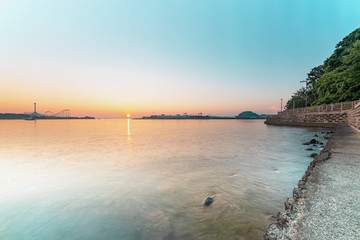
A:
(219, 118)
(243, 115)
(19, 116)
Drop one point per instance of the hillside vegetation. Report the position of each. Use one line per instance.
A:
(336, 80)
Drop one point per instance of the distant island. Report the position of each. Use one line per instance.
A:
(243, 115)
(251, 115)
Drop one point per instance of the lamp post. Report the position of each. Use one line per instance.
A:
(281, 106)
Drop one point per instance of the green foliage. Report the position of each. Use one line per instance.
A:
(337, 80)
(297, 100)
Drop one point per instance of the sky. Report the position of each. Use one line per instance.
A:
(108, 58)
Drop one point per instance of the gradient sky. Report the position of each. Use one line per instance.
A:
(108, 58)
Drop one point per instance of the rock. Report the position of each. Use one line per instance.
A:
(301, 184)
(297, 193)
(325, 137)
(289, 204)
(308, 149)
(282, 218)
(313, 141)
(315, 135)
(304, 177)
(208, 201)
(274, 231)
(321, 143)
(306, 143)
(313, 155)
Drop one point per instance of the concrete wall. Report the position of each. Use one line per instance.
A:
(354, 117)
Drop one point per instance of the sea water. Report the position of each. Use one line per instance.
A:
(145, 179)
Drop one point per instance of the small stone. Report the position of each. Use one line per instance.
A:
(297, 193)
(289, 204)
(308, 149)
(313, 141)
(273, 232)
(313, 155)
(301, 184)
(315, 135)
(208, 201)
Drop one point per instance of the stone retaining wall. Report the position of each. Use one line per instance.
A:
(354, 117)
(317, 119)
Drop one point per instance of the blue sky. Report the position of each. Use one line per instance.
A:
(107, 58)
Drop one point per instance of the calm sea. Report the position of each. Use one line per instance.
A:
(145, 179)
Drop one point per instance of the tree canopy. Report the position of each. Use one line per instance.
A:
(336, 80)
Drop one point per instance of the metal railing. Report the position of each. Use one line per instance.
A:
(342, 106)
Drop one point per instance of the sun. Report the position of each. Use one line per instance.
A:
(128, 115)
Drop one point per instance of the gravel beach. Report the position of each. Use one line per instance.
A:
(330, 205)
(334, 197)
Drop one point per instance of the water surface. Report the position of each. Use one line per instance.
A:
(145, 179)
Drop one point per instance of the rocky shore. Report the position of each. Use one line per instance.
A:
(323, 204)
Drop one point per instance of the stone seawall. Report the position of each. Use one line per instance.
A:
(354, 117)
(317, 119)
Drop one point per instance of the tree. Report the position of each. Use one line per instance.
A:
(297, 100)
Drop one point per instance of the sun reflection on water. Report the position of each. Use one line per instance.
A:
(128, 129)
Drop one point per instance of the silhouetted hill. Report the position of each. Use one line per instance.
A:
(251, 115)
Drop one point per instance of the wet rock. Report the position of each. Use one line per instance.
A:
(274, 231)
(289, 204)
(308, 149)
(313, 155)
(304, 177)
(208, 201)
(282, 218)
(297, 193)
(313, 141)
(306, 143)
(301, 184)
(325, 137)
(321, 143)
(315, 135)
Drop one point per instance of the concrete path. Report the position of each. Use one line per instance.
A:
(333, 202)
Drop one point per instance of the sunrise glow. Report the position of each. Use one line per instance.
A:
(187, 61)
